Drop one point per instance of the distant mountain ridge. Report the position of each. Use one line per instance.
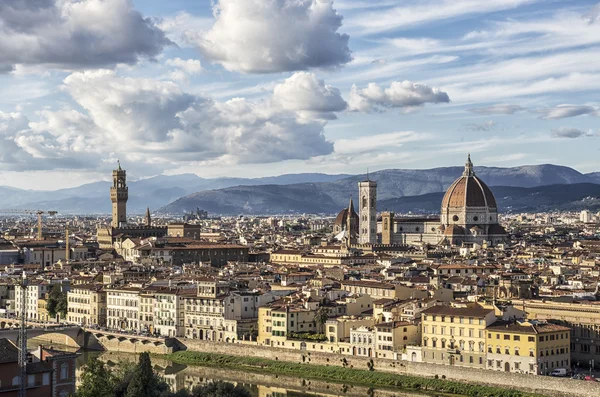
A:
(296, 193)
(330, 197)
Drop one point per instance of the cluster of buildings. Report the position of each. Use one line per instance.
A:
(459, 289)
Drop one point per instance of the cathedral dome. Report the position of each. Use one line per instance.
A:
(468, 191)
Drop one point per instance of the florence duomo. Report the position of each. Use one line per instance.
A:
(468, 214)
(184, 209)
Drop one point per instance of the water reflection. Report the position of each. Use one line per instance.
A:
(180, 376)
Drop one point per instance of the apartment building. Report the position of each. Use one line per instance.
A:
(122, 307)
(378, 290)
(36, 290)
(393, 337)
(87, 305)
(531, 347)
(455, 335)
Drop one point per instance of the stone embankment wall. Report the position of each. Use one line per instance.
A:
(542, 384)
(131, 344)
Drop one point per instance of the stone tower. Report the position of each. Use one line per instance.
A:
(118, 195)
(387, 228)
(148, 218)
(367, 193)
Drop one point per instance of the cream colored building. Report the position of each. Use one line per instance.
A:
(455, 335)
(86, 305)
(122, 308)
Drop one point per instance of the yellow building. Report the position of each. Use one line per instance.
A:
(455, 335)
(530, 347)
(86, 305)
(582, 318)
(43, 314)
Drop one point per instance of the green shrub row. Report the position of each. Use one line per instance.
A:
(366, 377)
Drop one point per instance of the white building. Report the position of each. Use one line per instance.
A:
(122, 308)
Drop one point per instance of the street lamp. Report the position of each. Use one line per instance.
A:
(591, 366)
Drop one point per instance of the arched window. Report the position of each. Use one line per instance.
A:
(385, 224)
(364, 202)
(16, 381)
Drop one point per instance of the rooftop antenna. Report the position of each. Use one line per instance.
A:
(368, 174)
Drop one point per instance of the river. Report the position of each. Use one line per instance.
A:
(180, 376)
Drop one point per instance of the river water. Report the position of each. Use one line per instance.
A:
(180, 376)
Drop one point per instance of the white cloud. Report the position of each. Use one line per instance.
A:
(412, 13)
(305, 93)
(156, 125)
(189, 66)
(76, 34)
(499, 109)
(565, 111)
(254, 36)
(403, 94)
(373, 142)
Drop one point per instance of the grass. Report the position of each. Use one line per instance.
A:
(343, 375)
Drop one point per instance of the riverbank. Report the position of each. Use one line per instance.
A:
(342, 375)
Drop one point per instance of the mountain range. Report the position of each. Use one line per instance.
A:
(300, 193)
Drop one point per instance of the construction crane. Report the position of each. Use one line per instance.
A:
(23, 336)
(39, 214)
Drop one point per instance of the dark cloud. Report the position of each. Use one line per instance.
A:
(565, 132)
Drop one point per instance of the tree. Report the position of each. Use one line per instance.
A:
(96, 380)
(57, 302)
(144, 382)
(220, 389)
(321, 317)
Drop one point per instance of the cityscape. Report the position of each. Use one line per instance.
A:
(188, 209)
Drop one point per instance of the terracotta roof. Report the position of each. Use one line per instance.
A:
(468, 191)
(468, 311)
(526, 327)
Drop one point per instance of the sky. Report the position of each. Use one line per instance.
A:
(250, 88)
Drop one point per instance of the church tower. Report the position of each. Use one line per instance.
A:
(118, 195)
(367, 193)
(148, 218)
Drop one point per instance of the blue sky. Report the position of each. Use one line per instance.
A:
(264, 87)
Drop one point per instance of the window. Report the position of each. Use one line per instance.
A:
(30, 380)
(46, 379)
(516, 337)
(506, 337)
(64, 371)
(16, 381)
(531, 339)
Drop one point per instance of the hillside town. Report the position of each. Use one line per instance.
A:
(471, 287)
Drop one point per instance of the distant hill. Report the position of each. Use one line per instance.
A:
(328, 197)
(152, 192)
(308, 192)
(574, 197)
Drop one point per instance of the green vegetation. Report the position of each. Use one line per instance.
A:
(369, 378)
(57, 302)
(307, 336)
(97, 380)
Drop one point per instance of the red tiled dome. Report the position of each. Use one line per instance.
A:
(468, 191)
